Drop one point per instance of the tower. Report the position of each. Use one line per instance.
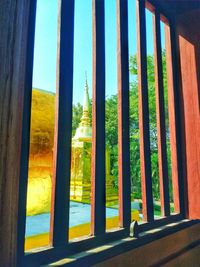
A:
(81, 159)
(80, 186)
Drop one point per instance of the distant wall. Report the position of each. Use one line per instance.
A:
(41, 133)
(41, 152)
(42, 122)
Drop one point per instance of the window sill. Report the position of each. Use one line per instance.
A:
(104, 252)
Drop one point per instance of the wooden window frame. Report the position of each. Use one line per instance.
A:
(60, 245)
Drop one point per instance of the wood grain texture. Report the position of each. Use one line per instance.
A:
(24, 159)
(189, 47)
(14, 17)
(191, 113)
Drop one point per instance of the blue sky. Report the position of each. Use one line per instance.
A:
(44, 72)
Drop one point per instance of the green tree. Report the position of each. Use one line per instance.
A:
(134, 131)
(111, 123)
(76, 117)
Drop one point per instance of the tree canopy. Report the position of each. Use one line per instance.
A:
(111, 122)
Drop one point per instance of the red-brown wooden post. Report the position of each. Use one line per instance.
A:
(63, 126)
(160, 118)
(190, 74)
(98, 121)
(172, 119)
(17, 24)
(145, 154)
(123, 115)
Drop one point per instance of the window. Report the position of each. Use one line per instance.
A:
(60, 244)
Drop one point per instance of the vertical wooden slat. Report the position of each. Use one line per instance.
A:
(98, 120)
(171, 111)
(17, 23)
(123, 114)
(24, 160)
(190, 102)
(63, 125)
(160, 115)
(145, 157)
(173, 102)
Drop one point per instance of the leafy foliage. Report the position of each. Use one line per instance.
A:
(77, 113)
(111, 122)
